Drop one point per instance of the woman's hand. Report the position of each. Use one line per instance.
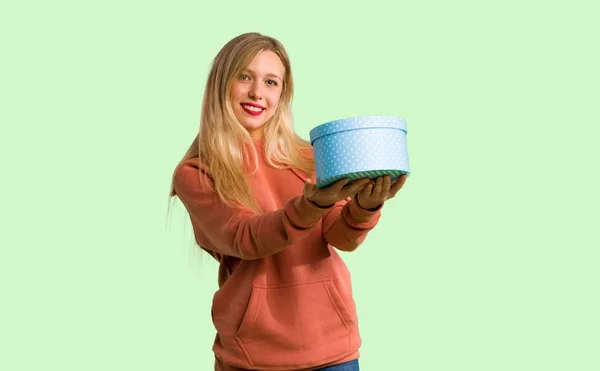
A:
(376, 192)
(327, 196)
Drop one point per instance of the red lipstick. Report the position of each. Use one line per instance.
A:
(252, 112)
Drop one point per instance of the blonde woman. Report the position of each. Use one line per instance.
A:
(285, 297)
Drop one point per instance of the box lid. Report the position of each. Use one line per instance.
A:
(355, 123)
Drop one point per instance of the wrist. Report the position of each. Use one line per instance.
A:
(303, 212)
(359, 217)
(365, 208)
(320, 206)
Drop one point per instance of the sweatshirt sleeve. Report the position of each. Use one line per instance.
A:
(346, 224)
(238, 231)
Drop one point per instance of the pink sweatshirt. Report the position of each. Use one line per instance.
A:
(285, 296)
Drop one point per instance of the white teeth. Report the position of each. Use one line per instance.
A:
(252, 108)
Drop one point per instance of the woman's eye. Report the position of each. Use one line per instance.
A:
(272, 82)
(244, 77)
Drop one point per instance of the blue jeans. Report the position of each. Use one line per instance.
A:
(348, 366)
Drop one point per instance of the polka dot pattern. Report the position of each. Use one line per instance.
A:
(359, 147)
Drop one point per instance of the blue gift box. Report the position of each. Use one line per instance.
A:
(360, 147)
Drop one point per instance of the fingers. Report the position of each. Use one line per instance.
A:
(377, 188)
(372, 191)
(398, 185)
(387, 182)
(356, 187)
(368, 190)
(337, 186)
(324, 195)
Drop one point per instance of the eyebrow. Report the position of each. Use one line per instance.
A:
(268, 75)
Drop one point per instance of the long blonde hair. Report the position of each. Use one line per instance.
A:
(224, 145)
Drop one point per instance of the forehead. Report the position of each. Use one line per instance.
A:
(267, 62)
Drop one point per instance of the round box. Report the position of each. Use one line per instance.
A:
(360, 147)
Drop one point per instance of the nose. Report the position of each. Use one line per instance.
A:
(255, 91)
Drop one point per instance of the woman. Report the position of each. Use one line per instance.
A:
(285, 298)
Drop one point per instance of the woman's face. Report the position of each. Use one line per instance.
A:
(255, 93)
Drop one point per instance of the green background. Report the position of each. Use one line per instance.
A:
(486, 260)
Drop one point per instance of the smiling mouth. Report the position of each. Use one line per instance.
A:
(253, 110)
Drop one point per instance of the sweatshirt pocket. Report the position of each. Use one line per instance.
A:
(296, 326)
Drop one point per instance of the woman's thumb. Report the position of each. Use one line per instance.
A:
(309, 186)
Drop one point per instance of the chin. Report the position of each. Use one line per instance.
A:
(252, 128)
(252, 125)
